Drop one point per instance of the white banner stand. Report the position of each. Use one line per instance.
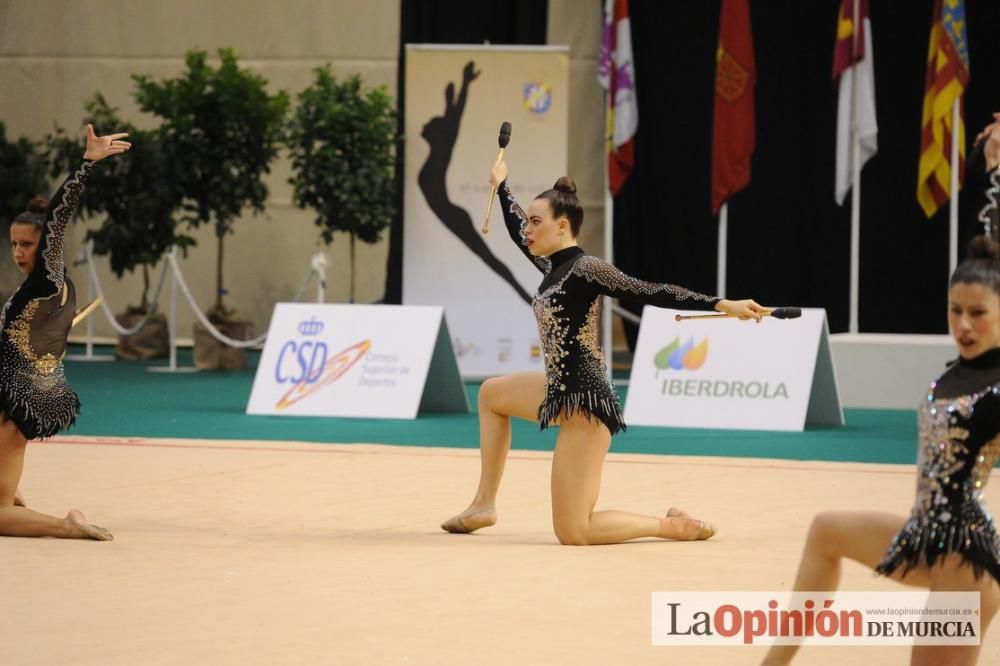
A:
(368, 361)
(731, 374)
(456, 98)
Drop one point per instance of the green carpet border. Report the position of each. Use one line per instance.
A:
(123, 399)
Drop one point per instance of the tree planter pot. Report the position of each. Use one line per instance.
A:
(210, 354)
(151, 341)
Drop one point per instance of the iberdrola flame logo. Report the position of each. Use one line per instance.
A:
(676, 356)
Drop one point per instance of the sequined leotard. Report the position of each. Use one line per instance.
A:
(567, 307)
(34, 325)
(959, 425)
(987, 181)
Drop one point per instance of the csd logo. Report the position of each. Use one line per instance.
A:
(676, 356)
(308, 366)
(302, 361)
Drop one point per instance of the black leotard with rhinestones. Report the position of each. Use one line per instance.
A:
(567, 307)
(34, 325)
(959, 424)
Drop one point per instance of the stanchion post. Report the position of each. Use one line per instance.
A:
(172, 320)
(89, 355)
(318, 262)
(90, 321)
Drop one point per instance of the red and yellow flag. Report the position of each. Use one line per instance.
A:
(733, 115)
(947, 76)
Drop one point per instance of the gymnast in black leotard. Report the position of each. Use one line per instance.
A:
(35, 400)
(574, 392)
(949, 541)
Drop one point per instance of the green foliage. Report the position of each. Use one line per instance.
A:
(22, 175)
(221, 131)
(133, 190)
(342, 142)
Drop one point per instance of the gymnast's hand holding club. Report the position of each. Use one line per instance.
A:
(777, 313)
(503, 139)
(742, 310)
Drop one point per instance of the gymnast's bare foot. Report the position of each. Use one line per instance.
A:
(18, 499)
(470, 520)
(680, 526)
(81, 529)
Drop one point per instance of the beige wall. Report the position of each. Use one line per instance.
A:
(56, 53)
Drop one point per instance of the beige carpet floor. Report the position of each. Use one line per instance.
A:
(288, 553)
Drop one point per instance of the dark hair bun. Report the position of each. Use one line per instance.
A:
(565, 184)
(38, 205)
(984, 247)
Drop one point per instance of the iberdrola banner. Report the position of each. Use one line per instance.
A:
(456, 99)
(726, 373)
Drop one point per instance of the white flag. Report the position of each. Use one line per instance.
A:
(865, 124)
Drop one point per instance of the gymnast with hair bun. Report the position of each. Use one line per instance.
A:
(574, 392)
(36, 401)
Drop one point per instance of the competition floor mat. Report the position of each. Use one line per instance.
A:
(269, 552)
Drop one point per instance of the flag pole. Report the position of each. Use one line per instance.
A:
(855, 229)
(720, 275)
(953, 209)
(853, 326)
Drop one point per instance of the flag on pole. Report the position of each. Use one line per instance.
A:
(616, 73)
(733, 121)
(947, 76)
(853, 65)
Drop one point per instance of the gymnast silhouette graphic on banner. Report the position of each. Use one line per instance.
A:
(441, 132)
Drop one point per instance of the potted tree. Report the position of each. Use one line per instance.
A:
(137, 198)
(22, 176)
(221, 131)
(342, 140)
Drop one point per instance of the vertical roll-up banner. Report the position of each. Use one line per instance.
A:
(456, 99)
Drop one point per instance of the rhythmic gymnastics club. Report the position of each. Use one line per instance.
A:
(503, 140)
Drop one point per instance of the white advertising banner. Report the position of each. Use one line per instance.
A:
(456, 99)
(369, 361)
(726, 373)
